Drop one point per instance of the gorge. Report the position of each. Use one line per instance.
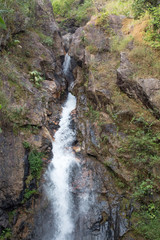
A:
(79, 121)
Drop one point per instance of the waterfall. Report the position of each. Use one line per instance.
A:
(59, 171)
(58, 174)
(66, 64)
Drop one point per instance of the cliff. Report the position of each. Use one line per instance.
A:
(117, 87)
(32, 89)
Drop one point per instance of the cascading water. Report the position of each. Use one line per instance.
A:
(59, 170)
(66, 64)
(58, 174)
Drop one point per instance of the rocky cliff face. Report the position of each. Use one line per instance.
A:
(32, 89)
(116, 111)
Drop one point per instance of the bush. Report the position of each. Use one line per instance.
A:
(6, 234)
(35, 162)
(36, 78)
(140, 6)
(29, 193)
(153, 32)
(143, 147)
(148, 225)
(144, 189)
(72, 9)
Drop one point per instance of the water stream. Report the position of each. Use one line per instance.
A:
(59, 172)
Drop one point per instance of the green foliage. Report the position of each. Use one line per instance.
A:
(93, 114)
(146, 61)
(35, 162)
(152, 35)
(29, 193)
(47, 40)
(9, 7)
(6, 234)
(3, 101)
(143, 146)
(144, 189)
(148, 224)
(11, 215)
(16, 114)
(62, 8)
(72, 9)
(102, 20)
(140, 6)
(92, 49)
(36, 78)
(84, 11)
(26, 145)
(119, 44)
(2, 23)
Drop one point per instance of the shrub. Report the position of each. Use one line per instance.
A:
(72, 9)
(118, 44)
(140, 6)
(26, 145)
(143, 147)
(29, 193)
(148, 224)
(6, 234)
(153, 32)
(36, 78)
(119, 7)
(144, 189)
(92, 49)
(35, 162)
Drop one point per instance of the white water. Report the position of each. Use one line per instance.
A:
(66, 64)
(59, 172)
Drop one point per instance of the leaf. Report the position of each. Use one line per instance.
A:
(2, 23)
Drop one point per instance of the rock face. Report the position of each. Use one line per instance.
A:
(32, 90)
(110, 103)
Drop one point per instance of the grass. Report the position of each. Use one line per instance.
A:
(119, 44)
(119, 7)
(146, 61)
(92, 49)
(47, 40)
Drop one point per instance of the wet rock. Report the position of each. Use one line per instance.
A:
(67, 39)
